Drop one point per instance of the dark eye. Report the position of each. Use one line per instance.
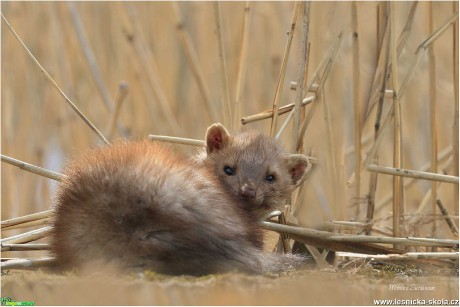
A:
(270, 178)
(229, 170)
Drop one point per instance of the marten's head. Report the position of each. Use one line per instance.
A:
(254, 168)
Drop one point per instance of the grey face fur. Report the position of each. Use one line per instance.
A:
(254, 168)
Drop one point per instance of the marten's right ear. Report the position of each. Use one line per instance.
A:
(217, 138)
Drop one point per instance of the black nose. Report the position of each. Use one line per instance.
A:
(247, 191)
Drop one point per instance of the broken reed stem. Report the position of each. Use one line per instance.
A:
(356, 107)
(411, 173)
(149, 65)
(120, 97)
(449, 221)
(26, 218)
(25, 247)
(398, 191)
(406, 256)
(455, 132)
(433, 114)
(89, 56)
(177, 140)
(27, 263)
(243, 60)
(32, 168)
(228, 116)
(28, 236)
(301, 76)
(39, 222)
(269, 113)
(279, 87)
(192, 60)
(51, 80)
(308, 233)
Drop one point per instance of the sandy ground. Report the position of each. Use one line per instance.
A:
(301, 288)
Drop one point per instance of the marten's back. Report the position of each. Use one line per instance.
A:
(137, 205)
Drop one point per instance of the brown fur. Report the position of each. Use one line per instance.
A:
(252, 157)
(137, 205)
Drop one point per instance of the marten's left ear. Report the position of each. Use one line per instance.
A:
(217, 138)
(298, 166)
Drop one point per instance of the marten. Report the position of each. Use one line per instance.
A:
(137, 205)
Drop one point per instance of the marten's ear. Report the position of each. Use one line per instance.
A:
(217, 138)
(298, 167)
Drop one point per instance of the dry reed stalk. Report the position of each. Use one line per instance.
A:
(177, 140)
(398, 191)
(411, 173)
(449, 221)
(422, 47)
(364, 142)
(28, 236)
(433, 113)
(120, 97)
(296, 111)
(192, 59)
(283, 240)
(381, 19)
(379, 81)
(228, 116)
(39, 222)
(27, 263)
(424, 202)
(149, 65)
(407, 29)
(89, 56)
(282, 74)
(348, 223)
(356, 107)
(310, 87)
(25, 247)
(320, 258)
(243, 60)
(308, 233)
(301, 77)
(329, 63)
(379, 84)
(455, 133)
(332, 162)
(402, 89)
(313, 88)
(410, 180)
(406, 256)
(269, 113)
(375, 93)
(32, 168)
(26, 218)
(51, 80)
(284, 125)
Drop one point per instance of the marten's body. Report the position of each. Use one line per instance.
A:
(137, 205)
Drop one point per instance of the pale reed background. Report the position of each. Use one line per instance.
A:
(39, 127)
